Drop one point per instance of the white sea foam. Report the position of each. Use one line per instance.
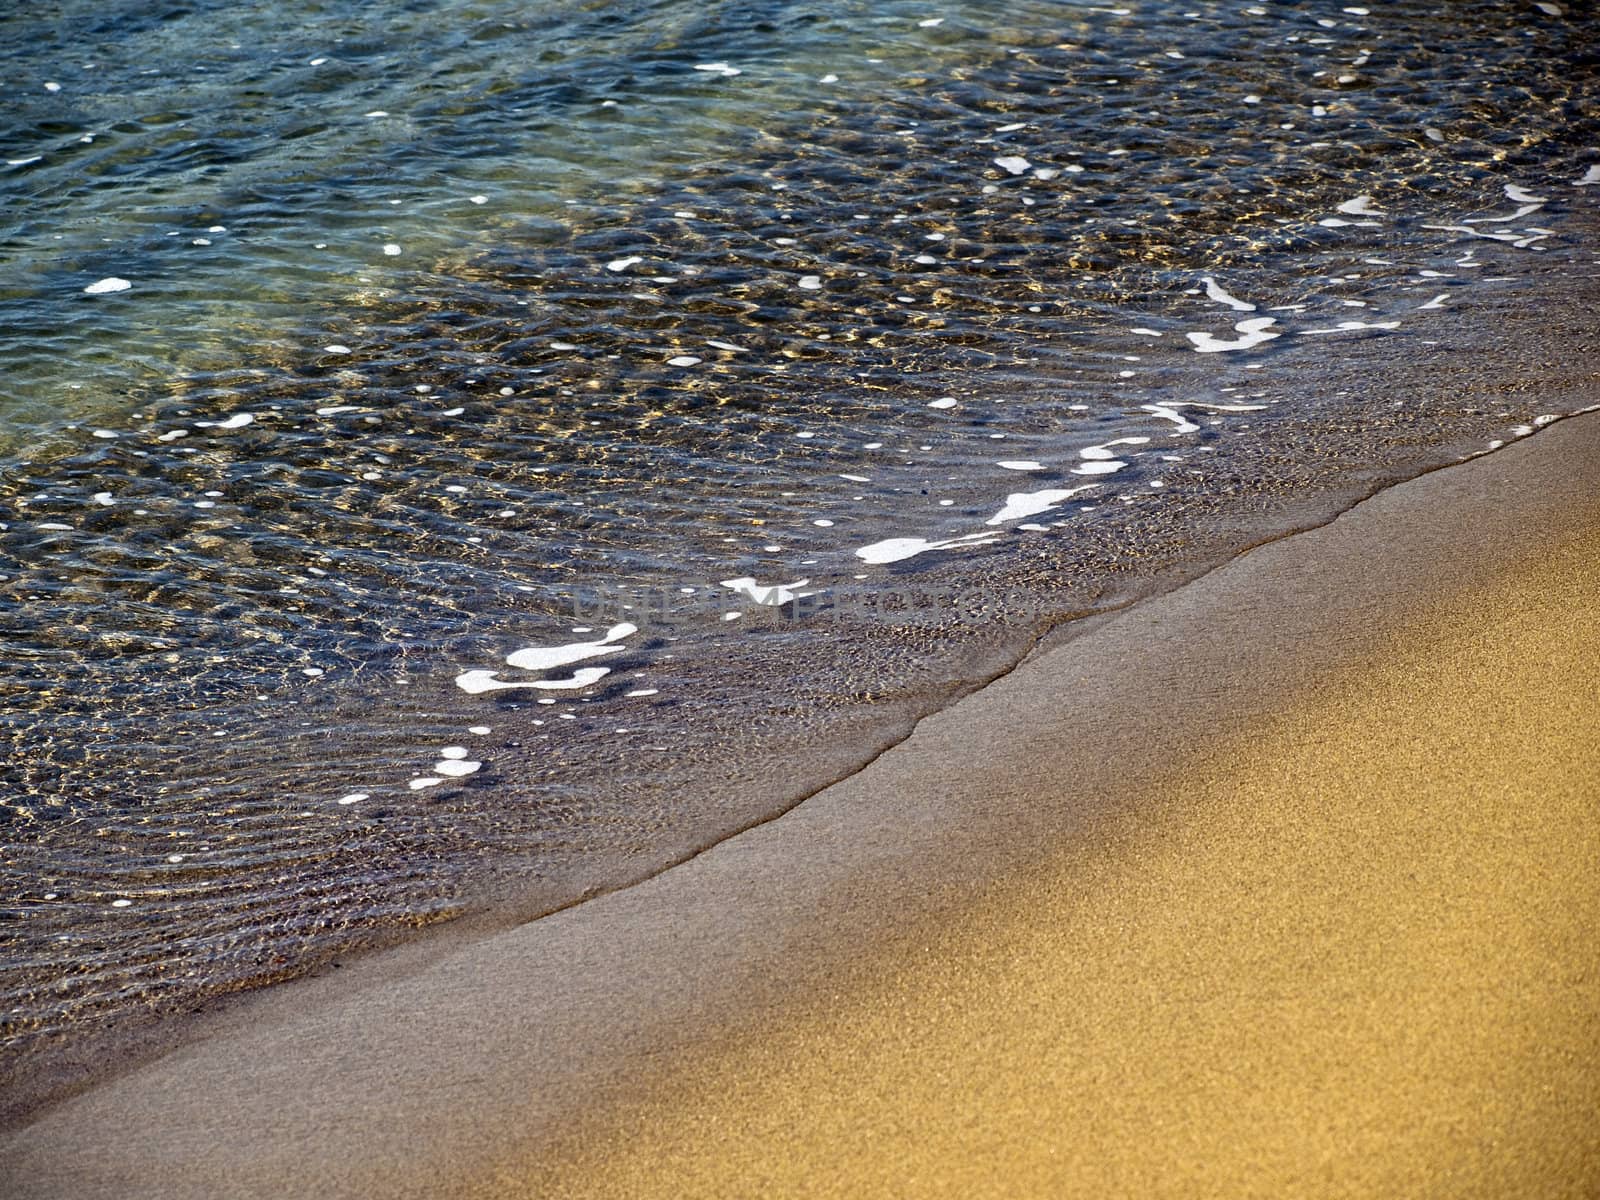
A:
(1361, 206)
(769, 596)
(893, 550)
(237, 421)
(1031, 504)
(622, 264)
(109, 284)
(1493, 235)
(1023, 464)
(1102, 452)
(1216, 292)
(477, 682)
(1253, 333)
(1167, 413)
(455, 768)
(1590, 178)
(1352, 327)
(1014, 164)
(547, 658)
(1525, 210)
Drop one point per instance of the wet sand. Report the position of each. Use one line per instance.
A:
(1283, 883)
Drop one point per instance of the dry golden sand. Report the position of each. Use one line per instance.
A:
(1355, 951)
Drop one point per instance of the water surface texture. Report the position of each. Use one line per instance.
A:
(462, 456)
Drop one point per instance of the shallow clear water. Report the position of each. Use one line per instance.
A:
(566, 334)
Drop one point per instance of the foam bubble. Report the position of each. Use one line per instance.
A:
(768, 596)
(1361, 206)
(237, 421)
(893, 550)
(477, 682)
(1253, 332)
(1030, 504)
(1216, 292)
(1167, 413)
(545, 658)
(1103, 452)
(1353, 327)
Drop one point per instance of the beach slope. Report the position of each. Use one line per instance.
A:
(1282, 883)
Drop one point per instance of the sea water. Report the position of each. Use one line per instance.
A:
(459, 457)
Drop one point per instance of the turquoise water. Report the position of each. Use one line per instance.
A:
(244, 165)
(533, 442)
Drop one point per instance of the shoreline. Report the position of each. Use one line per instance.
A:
(473, 1068)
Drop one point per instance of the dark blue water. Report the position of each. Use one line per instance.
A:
(457, 457)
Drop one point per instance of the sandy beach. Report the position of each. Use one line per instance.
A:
(1282, 883)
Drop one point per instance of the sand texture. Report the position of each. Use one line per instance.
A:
(1284, 883)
